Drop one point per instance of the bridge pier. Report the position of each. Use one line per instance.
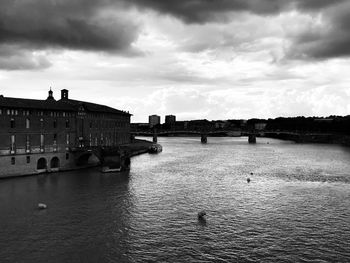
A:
(155, 137)
(252, 138)
(204, 138)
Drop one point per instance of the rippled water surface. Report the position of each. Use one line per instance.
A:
(295, 209)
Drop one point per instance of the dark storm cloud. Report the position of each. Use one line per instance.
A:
(201, 11)
(78, 24)
(13, 57)
(27, 26)
(106, 25)
(330, 40)
(327, 43)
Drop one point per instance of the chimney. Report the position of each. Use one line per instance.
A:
(64, 94)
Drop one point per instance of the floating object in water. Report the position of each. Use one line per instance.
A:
(42, 206)
(155, 148)
(251, 173)
(248, 180)
(202, 214)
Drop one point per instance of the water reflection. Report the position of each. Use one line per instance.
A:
(295, 208)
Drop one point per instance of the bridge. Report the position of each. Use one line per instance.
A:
(297, 136)
(203, 134)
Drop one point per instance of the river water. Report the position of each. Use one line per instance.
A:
(295, 209)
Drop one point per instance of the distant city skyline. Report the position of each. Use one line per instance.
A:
(236, 59)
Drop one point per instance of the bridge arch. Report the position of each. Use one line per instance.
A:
(87, 158)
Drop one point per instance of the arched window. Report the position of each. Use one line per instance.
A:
(67, 123)
(27, 123)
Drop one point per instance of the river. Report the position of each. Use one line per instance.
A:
(296, 207)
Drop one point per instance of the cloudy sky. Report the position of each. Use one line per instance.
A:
(213, 59)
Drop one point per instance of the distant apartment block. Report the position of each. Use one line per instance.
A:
(153, 120)
(170, 119)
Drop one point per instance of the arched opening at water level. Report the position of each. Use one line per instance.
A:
(41, 164)
(87, 159)
(55, 162)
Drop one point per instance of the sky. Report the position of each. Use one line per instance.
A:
(196, 59)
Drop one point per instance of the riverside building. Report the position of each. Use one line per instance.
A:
(47, 135)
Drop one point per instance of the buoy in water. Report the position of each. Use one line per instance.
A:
(248, 180)
(251, 173)
(201, 214)
(42, 206)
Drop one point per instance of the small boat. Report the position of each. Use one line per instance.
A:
(155, 148)
(202, 214)
(42, 206)
(107, 169)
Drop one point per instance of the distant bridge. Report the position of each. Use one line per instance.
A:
(284, 135)
(186, 132)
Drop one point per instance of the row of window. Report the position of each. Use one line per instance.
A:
(42, 140)
(96, 140)
(105, 124)
(27, 123)
(16, 112)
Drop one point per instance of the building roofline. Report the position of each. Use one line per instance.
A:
(63, 105)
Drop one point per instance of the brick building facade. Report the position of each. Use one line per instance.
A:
(43, 135)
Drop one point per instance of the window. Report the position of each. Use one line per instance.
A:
(67, 123)
(42, 140)
(28, 159)
(67, 156)
(8, 112)
(12, 123)
(67, 139)
(13, 142)
(27, 143)
(13, 160)
(41, 123)
(0, 111)
(55, 123)
(27, 123)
